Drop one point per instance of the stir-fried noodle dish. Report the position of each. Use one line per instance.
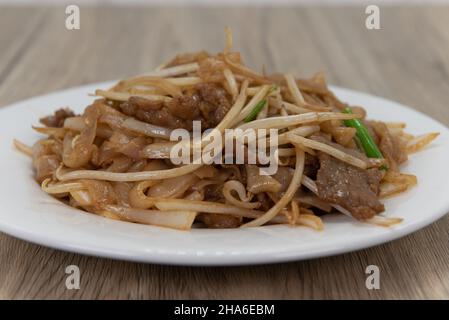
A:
(116, 158)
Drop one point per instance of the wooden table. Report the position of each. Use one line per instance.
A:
(407, 61)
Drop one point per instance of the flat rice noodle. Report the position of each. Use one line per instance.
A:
(105, 154)
(77, 149)
(392, 148)
(77, 124)
(101, 193)
(388, 189)
(174, 187)
(56, 132)
(179, 219)
(206, 172)
(243, 201)
(46, 166)
(120, 164)
(314, 201)
(46, 147)
(260, 183)
(342, 135)
(122, 190)
(158, 150)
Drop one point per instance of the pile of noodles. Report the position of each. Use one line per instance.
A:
(141, 185)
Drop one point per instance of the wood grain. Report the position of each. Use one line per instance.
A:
(407, 61)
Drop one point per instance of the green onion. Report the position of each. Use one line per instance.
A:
(253, 114)
(366, 141)
(273, 88)
(259, 106)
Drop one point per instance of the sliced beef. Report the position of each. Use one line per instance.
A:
(208, 103)
(163, 118)
(219, 221)
(213, 192)
(185, 107)
(352, 188)
(57, 118)
(46, 166)
(311, 166)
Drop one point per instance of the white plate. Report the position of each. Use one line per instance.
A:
(30, 214)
